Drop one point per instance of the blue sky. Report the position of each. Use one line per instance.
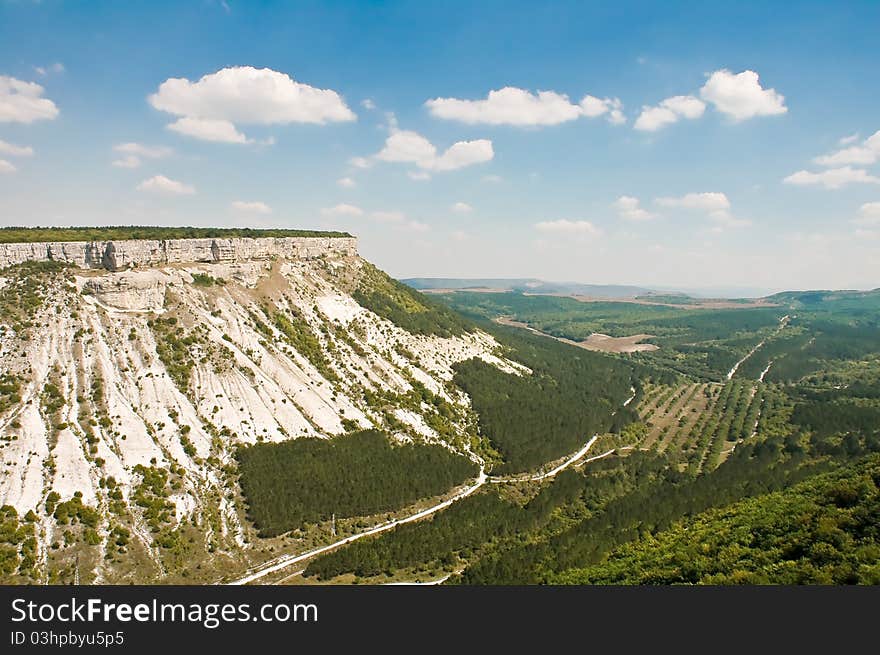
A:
(695, 145)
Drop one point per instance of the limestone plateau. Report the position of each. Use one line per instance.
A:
(132, 370)
(121, 254)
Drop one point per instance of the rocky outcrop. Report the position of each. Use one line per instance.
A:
(128, 290)
(121, 255)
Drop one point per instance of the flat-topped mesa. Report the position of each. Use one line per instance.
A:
(128, 253)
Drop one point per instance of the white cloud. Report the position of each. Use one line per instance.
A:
(708, 201)
(462, 208)
(741, 96)
(564, 226)
(407, 146)
(419, 176)
(628, 209)
(253, 206)
(411, 147)
(591, 107)
(846, 140)
(6, 167)
(163, 185)
(22, 102)
(346, 182)
(343, 209)
(416, 226)
(210, 107)
(869, 214)
(868, 152)
(669, 111)
(462, 154)
(140, 150)
(521, 108)
(388, 216)
(208, 129)
(715, 204)
(493, 179)
(685, 106)
(55, 68)
(458, 235)
(135, 151)
(13, 150)
(833, 178)
(367, 103)
(129, 161)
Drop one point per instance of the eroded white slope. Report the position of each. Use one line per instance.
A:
(97, 343)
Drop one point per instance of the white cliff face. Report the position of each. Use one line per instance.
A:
(119, 255)
(101, 392)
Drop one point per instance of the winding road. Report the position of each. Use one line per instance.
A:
(283, 562)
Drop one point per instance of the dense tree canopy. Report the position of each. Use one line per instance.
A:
(305, 480)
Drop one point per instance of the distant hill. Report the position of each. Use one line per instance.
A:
(813, 297)
(527, 285)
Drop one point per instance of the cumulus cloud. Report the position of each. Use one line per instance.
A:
(669, 111)
(708, 201)
(367, 103)
(521, 108)
(253, 207)
(628, 209)
(165, 186)
(13, 150)
(741, 96)
(23, 102)
(846, 140)
(343, 209)
(140, 150)
(462, 154)
(346, 182)
(211, 107)
(462, 208)
(833, 178)
(869, 214)
(411, 147)
(129, 161)
(715, 204)
(208, 129)
(565, 226)
(134, 152)
(6, 167)
(866, 153)
(407, 146)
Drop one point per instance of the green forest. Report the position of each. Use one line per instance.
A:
(570, 395)
(307, 480)
(776, 482)
(825, 530)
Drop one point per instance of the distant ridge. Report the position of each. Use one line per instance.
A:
(527, 285)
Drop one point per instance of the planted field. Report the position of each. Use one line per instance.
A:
(700, 424)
